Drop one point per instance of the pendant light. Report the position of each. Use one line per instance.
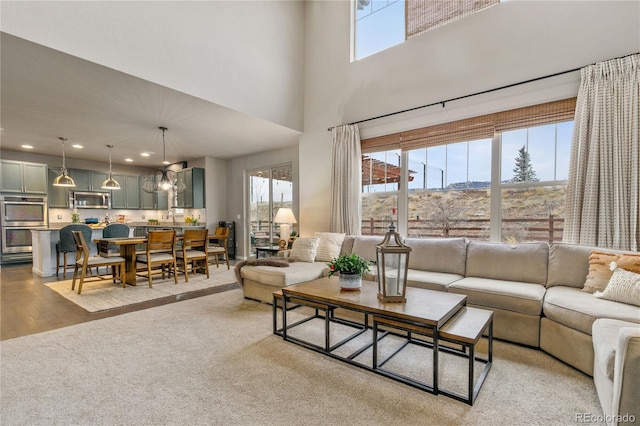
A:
(164, 184)
(64, 179)
(110, 183)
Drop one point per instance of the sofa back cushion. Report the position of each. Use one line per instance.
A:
(438, 254)
(525, 262)
(304, 249)
(329, 246)
(568, 265)
(365, 246)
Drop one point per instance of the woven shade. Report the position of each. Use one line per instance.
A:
(425, 15)
(481, 127)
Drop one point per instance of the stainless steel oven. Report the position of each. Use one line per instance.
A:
(18, 216)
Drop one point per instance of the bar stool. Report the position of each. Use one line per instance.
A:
(68, 245)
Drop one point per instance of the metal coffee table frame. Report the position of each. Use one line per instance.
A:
(467, 350)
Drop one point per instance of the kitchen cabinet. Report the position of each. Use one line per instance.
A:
(87, 180)
(154, 200)
(128, 196)
(193, 195)
(23, 177)
(58, 195)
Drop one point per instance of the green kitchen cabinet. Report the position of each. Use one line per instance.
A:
(23, 177)
(58, 195)
(193, 195)
(128, 196)
(87, 180)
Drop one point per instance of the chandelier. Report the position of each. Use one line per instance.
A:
(163, 179)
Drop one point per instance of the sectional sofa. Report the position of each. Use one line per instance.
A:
(534, 290)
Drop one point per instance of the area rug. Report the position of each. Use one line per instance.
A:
(213, 360)
(102, 295)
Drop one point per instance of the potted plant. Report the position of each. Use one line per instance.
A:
(350, 267)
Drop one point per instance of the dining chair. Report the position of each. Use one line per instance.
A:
(68, 245)
(194, 252)
(114, 230)
(84, 260)
(160, 251)
(218, 245)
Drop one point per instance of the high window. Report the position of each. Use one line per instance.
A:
(380, 24)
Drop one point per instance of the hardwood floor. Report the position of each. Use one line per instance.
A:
(27, 306)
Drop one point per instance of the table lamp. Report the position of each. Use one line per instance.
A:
(285, 217)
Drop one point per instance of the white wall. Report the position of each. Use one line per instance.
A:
(244, 55)
(511, 42)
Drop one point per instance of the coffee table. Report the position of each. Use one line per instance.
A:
(432, 314)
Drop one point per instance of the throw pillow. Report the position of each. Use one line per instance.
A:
(599, 271)
(304, 249)
(329, 246)
(623, 287)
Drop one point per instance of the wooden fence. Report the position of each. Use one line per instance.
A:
(548, 229)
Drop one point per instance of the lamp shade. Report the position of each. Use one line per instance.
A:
(284, 215)
(64, 180)
(110, 183)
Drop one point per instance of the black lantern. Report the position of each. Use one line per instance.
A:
(392, 262)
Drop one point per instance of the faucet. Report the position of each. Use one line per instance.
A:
(172, 213)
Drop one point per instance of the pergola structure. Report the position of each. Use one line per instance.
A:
(377, 172)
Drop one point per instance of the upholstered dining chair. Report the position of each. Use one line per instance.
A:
(84, 261)
(160, 251)
(114, 230)
(194, 252)
(218, 246)
(68, 245)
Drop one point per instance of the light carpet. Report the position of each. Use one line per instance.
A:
(214, 360)
(104, 294)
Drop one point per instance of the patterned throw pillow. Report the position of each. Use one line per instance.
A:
(623, 287)
(600, 273)
(329, 246)
(304, 249)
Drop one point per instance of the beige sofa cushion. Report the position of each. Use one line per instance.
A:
(365, 246)
(304, 249)
(624, 287)
(521, 297)
(526, 262)
(578, 310)
(297, 272)
(568, 265)
(439, 281)
(438, 254)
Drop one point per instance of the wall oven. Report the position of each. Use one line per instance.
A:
(18, 216)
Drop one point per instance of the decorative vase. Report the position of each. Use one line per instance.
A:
(350, 281)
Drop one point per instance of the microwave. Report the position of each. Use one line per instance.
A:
(90, 200)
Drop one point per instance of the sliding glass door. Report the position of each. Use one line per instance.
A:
(269, 189)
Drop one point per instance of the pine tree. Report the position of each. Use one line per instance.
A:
(523, 171)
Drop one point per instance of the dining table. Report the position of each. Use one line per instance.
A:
(128, 251)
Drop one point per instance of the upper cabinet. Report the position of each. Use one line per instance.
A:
(128, 196)
(22, 177)
(193, 195)
(58, 195)
(154, 200)
(87, 180)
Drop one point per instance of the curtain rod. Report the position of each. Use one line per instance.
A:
(472, 94)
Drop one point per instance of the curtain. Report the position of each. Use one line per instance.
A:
(346, 180)
(604, 175)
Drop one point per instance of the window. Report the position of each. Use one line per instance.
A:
(380, 24)
(534, 169)
(450, 185)
(450, 194)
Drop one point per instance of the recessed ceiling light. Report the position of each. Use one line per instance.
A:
(77, 146)
(145, 154)
(27, 146)
(129, 160)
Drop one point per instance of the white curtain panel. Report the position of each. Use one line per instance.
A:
(346, 180)
(604, 173)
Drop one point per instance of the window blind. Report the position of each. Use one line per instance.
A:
(481, 127)
(424, 15)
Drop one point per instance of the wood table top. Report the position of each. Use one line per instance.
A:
(427, 307)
